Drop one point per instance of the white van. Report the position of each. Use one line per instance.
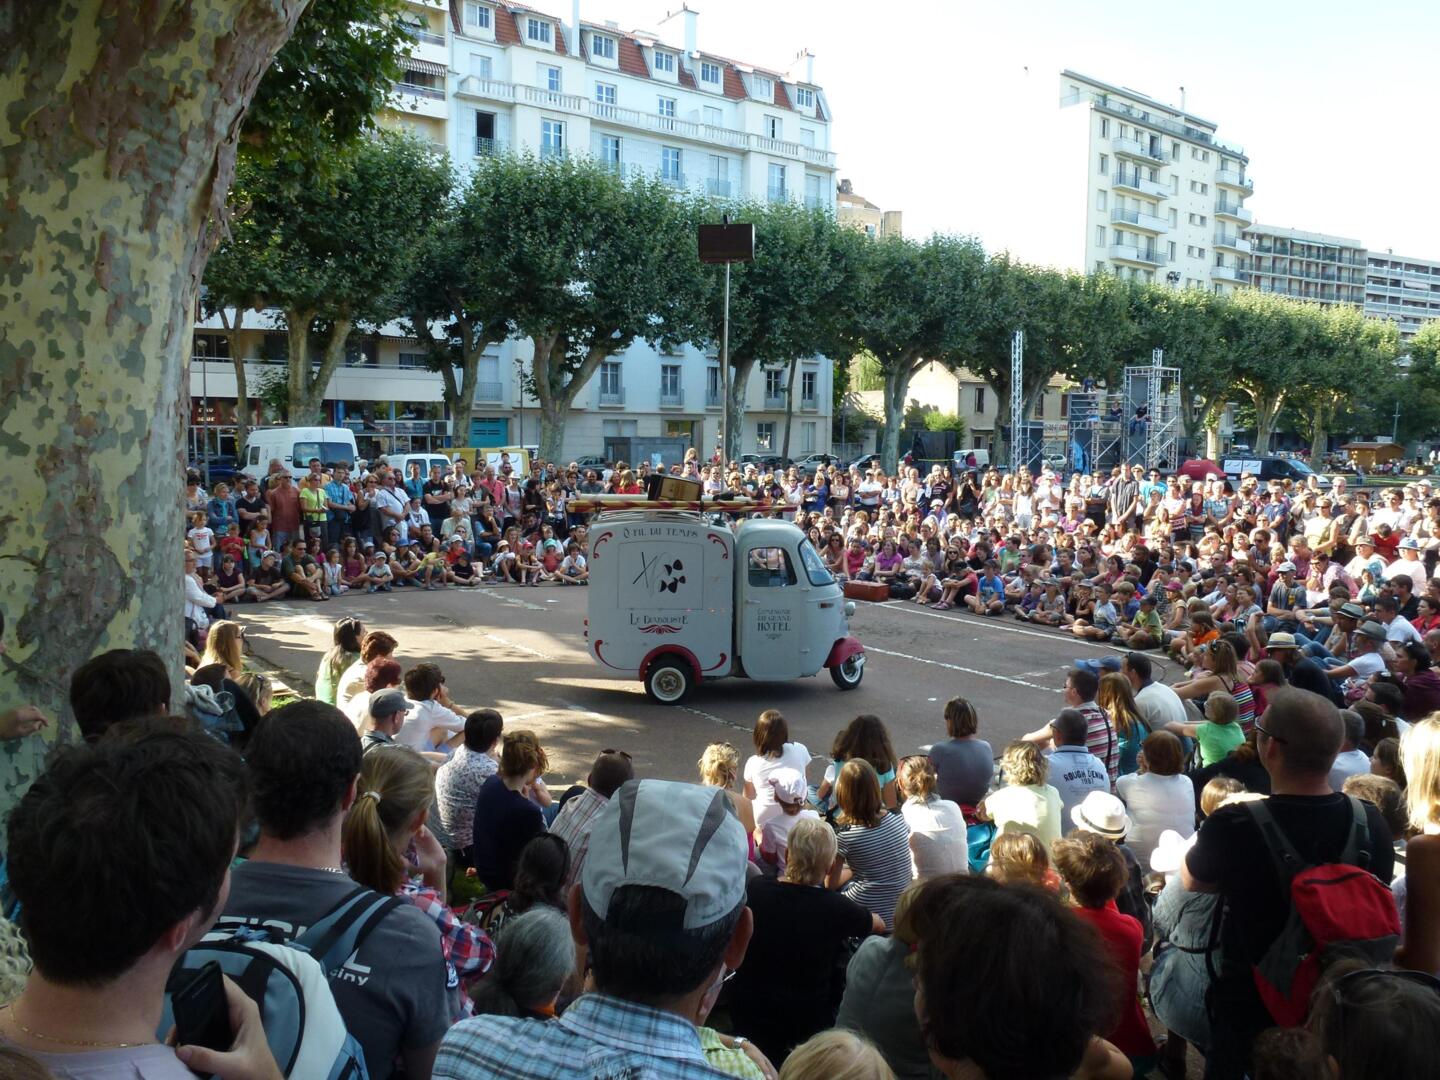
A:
(293, 447)
(433, 460)
(960, 457)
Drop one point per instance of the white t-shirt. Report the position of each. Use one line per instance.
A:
(938, 844)
(1156, 803)
(1401, 630)
(350, 683)
(1348, 763)
(758, 770)
(423, 717)
(1414, 570)
(1160, 705)
(775, 836)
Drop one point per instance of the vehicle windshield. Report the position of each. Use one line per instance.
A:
(329, 453)
(1300, 466)
(814, 565)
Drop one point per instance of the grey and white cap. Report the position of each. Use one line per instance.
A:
(683, 838)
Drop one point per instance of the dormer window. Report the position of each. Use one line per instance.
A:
(709, 73)
(764, 87)
(477, 17)
(602, 47)
(664, 62)
(537, 31)
(804, 98)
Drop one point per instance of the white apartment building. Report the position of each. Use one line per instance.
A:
(1163, 198)
(1310, 266)
(1402, 289)
(487, 77)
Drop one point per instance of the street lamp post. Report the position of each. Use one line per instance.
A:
(726, 243)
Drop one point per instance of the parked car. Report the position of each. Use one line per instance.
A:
(592, 461)
(223, 468)
(811, 462)
(865, 461)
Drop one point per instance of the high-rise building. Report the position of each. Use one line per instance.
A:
(858, 212)
(1306, 265)
(1402, 289)
(484, 77)
(1163, 196)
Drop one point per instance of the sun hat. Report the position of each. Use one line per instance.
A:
(1353, 611)
(789, 785)
(682, 838)
(387, 703)
(1281, 640)
(1409, 544)
(1372, 630)
(1285, 567)
(1103, 814)
(1170, 851)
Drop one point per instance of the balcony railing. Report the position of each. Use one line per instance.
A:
(672, 399)
(425, 37)
(420, 91)
(1136, 148)
(1149, 222)
(712, 399)
(1231, 178)
(1233, 274)
(487, 147)
(776, 193)
(674, 179)
(489, 391)
(497, 90)
(612, 397)
(1120, 108)
(720, 189)
(809, 404)
(1234, 210)
(1233, 241)
(774, 401)
(1151, 256)
(1130, 178)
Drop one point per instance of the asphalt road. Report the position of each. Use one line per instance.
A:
(521, 650)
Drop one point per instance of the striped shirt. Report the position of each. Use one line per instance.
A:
(879, 857)
(1100, 738)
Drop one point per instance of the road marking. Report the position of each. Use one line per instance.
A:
(517, 646)
(711, 716)
(967, 670)
(505, 598)
(980, 620)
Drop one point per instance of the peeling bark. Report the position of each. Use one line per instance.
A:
(734, 404)
(556, 386)
(116, 147)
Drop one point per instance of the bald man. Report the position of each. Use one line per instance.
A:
(1299, 736)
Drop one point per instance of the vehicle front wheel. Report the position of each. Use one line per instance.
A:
(669, 681)
(847, 675)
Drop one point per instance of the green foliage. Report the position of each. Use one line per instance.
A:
(272, 390)
(325, 87)
(864, 373)
(932, 419)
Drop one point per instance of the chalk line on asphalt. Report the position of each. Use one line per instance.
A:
(517, 646)
(978, 620)
(505, 598)
(967, 670)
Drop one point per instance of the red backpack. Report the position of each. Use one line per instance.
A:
(1337, 910)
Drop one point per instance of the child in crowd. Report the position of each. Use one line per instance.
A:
(528, 566)
(335, 583)
(463, 571)
(1019, 858)
(1219, 733)
(791, 792)
(405, 564)
(201, 539)
(1269, 676)
(1103, 621)
(232, 543)
(259, 539)
(229, 581)
(352, 570)
(1144, 630)
(266, 581)
(574, 570)
(380, 574)
(507, 566)
(430, 570)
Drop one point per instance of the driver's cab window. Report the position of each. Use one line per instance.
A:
(770, 568)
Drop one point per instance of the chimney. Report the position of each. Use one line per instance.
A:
(805, 66)
(688, 26)
(574, 27)
(846, 188)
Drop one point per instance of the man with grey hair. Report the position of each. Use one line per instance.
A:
(660, 906)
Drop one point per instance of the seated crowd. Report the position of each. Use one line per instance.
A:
(855, 914)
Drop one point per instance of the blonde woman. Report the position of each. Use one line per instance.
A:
(225, 644)
(1026, 803)
(1418, 893)
(719, 767)
(836, 1055)
(393, 798)
(1117, 698)
(787, 989)
(937, 826)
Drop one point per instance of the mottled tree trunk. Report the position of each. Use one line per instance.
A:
(117, 145)
(1267, 409)
(557, 386)
(789, 407)
(734, 404)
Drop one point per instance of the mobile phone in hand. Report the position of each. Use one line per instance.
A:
(202, 1012)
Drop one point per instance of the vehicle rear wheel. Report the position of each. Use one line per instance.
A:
(847, 675)
(669, 681)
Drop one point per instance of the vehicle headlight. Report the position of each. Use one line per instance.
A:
(849, 608)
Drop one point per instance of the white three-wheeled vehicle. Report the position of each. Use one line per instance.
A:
(675, 598)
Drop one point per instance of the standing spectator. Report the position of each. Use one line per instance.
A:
(506, 817)
(773, 751)
(964, 762)
(1420, 751)
(1298, 739)
(611, 769)
(386, 821)
(1094, 872)
(787, 988)
(459, 780)
(304, 763)
(283, 502)
(874, 843)
(250, 506)
(1026, 803)
(339, 504)
(344, 651)
(937, 826)
(1158, 798)
(1051, 991)
(661, 908)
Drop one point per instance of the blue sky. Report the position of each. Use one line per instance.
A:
(933, 100)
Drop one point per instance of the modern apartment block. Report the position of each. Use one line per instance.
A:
(1306, 265)
(1163, 197)
(857, 212)
(1404, 290)
(485, 77)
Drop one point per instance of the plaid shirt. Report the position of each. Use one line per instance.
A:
(573, 825)
(469, 952)
(598, 1038)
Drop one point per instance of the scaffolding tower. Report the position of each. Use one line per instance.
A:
(1152, 410)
